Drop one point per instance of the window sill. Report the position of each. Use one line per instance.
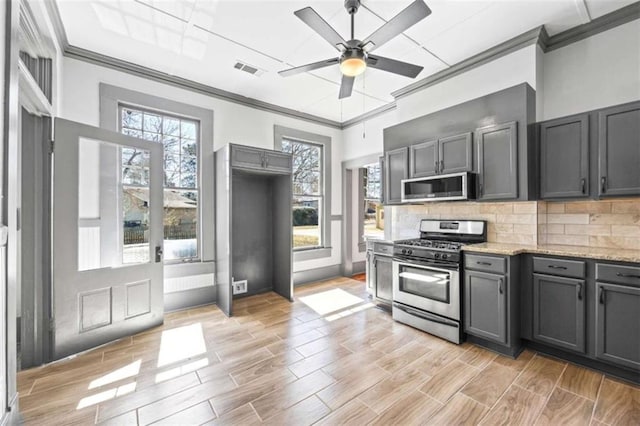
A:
(311, 254)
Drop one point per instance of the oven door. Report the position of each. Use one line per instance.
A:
(433, 289)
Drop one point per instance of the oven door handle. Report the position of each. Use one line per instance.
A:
(426, 265)
(425, 315)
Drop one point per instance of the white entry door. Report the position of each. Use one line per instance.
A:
(107, 236)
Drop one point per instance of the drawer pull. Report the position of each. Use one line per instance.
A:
(500, 285)
(620, 274)
(602, 298)
(583, 185)
(603, 184)
(579, 288)
(556, 267)
(484, 263)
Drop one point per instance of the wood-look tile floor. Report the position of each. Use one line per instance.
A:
(284, 363)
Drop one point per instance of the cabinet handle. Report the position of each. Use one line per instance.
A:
(602, 297)
(583, 185)
(500, 285)
(556, 267)
(480, 188)
(484, 263)
(441, 166)
(603, 184)
(436, 166)
(579, 289)
(375, 262)
(620, 274)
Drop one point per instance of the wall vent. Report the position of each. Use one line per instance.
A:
(253, 70)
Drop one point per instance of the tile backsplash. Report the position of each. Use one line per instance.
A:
(606, 224)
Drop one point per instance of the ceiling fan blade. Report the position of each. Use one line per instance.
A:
(410, 16)
(308, 67)
(394, 66)
(346, 87)
(319, 25)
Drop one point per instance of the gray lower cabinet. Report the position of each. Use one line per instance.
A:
(559, 311)
(564, 157)
(396, 169)
(455, 154)
(485, 305)
(618, 324)
(383, 272)
(619, 146)
(498, 161)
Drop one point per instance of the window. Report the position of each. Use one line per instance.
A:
(311, 190)
(373, 210)
(307, 193)
(179, 137)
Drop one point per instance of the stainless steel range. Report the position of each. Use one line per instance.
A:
(426, 276)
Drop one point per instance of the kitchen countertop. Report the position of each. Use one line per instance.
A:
(620, 255)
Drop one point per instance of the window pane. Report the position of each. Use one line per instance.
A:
(171, 144)
(171, 126)
(306, 222)
(188, 147)
(180, 224)
(134, 133)
(131, 119)
(153, 137)
(188, 167)
(188, 130)
(152, 123)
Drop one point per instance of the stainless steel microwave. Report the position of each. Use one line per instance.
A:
(453, 186)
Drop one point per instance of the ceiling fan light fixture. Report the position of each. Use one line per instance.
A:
(353, 62)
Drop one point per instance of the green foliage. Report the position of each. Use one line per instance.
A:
(304, 216)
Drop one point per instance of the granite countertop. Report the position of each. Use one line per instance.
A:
(619, 255)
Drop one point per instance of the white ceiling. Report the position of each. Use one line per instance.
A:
(201, 40)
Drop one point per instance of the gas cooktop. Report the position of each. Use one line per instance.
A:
(433, 244)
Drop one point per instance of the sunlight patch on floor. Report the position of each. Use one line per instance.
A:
(119, 374)
(330, 301)
(106, 395)
(348, 312)
(181, 343)
(179, 371)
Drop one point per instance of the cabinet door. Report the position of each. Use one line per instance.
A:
(619, 144)
(423, 159)
(485, 305)
(498, 161)
(395, 170)
(558, 311)
(278, 161)
(455, 154)
(617, 324)
(564, 158)
(246, 157)
(384, 274)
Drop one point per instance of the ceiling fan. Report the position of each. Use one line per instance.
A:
(355, 55)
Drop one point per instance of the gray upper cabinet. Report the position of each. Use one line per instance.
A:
(564, 157)
(446, 155)
(455, 154)
(396, 169)
(498, 161)
(260, 159)
(619, 150)
(559, 311)
(423, 159)
(485, 305)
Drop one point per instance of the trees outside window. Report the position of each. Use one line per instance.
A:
(179, 137)
(373, 211)
(308, 193)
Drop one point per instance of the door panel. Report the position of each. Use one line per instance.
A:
(395, 170)
(384, 276)
(498, 161)
(456, 154)
(423, 159)
(107, 236)
(485, 301)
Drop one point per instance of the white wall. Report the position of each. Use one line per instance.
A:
(232, 123)
(596, 72)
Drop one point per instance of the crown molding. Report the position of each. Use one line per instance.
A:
(537, 36)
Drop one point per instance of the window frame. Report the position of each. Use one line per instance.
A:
(110, 99)
(324, 142)
(145, 110)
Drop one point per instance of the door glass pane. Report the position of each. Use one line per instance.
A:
(306, 221)
(427, 283)
(180, 224)
(113, 205)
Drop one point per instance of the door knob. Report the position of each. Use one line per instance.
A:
(158, 254)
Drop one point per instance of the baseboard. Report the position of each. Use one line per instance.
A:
(317, 274)
(358, 267)
(178, 300)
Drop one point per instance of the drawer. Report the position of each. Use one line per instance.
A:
(383, 248)
(485, 263)
(618, 274)
(561, 267)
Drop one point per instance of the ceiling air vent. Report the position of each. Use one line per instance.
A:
(248, 68)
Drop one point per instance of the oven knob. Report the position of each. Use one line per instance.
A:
(444, 256)
(437, 255)
(404, 251)
(410, 251)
